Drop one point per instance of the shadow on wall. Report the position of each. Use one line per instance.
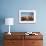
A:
(2, 21)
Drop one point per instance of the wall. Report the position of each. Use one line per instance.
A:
(10, 8)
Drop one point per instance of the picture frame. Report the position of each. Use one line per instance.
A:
(27, 16)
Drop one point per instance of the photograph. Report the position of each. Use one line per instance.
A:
(27, 16)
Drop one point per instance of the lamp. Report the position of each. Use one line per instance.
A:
(9, 21)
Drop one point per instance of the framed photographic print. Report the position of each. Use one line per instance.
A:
(27, 16)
